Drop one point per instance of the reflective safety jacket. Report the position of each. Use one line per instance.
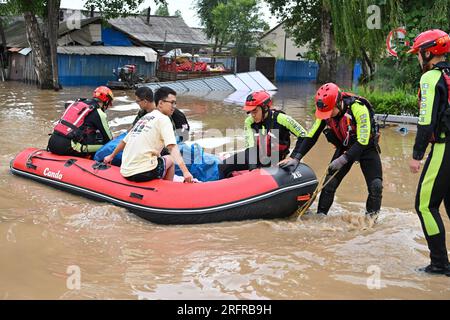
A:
(273, 133)
(353, 131)
(434, 117)
(88, 125)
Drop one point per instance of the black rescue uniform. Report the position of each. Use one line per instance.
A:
(265, 142)
(93, 134)
(434, 184)
(355, 133)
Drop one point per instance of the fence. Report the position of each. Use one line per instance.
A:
(286, 70)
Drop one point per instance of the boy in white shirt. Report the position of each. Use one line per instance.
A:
(141, 160)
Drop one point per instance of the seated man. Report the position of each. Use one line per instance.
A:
(267, 136)
(142, 160)
(144, 98)
(83, 127)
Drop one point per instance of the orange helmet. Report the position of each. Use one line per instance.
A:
(435, 41)
(257, 99)
(104, 94)
(327, 97)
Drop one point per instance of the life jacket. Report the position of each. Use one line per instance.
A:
(267, 140)
(72, 120)
(343, 129)
(444, 115)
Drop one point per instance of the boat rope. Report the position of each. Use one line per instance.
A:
(72, 162)
(319, 188)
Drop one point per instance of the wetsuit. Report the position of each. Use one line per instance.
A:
(266, 142)
(434, 183)
(95, 132)
(352, 132)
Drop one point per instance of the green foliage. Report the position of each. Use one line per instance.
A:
(302, 19)
(178, 14)
(233, 21)
(404, 72)
(162, 10)
(396, 102)
(204, 9)
(116, 8)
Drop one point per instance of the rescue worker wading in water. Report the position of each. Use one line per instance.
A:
(267, 136)
(433, 127)
(348, 122)
(83, 127)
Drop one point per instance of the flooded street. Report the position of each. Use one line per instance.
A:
(45, 233)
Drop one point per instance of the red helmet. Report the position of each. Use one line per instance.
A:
(327, 97)
(104, 94)
(257, 99)
(435, 41)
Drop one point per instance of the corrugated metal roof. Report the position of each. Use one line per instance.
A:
(161, 29)
(148, 53)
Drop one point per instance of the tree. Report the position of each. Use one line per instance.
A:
(162, 10)
(204, 9)
(235, 21)
(340, 25)
(402, 72)
(309, 24)
(178, 14)
(42, 37)
(45, 57)
(361, 29)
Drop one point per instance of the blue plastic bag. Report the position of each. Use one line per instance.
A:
(203, 166)
(108, 148)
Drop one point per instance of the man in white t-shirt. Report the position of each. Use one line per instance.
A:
(141, 160)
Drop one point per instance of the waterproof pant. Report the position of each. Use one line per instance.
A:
(63, 146)
(370, 163)
(433, 188)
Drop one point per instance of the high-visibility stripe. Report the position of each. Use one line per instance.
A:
(426, 189)
(82, 115)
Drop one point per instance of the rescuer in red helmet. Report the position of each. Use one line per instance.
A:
(433, 127)
(348, 122)
(267, 136)
(83, 127)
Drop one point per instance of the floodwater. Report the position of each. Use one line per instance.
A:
(47, 236)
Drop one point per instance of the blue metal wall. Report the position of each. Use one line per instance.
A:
(286, 70)
(95, 70)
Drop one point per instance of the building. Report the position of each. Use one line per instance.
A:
(282, 46)
(162, 33)
(88, 53)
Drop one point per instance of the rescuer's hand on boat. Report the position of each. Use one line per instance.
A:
(289, 163)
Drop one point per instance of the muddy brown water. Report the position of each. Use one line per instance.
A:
(46, 234)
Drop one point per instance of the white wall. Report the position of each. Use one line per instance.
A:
(278, 38)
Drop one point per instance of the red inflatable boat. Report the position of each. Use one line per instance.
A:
(260, 194)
